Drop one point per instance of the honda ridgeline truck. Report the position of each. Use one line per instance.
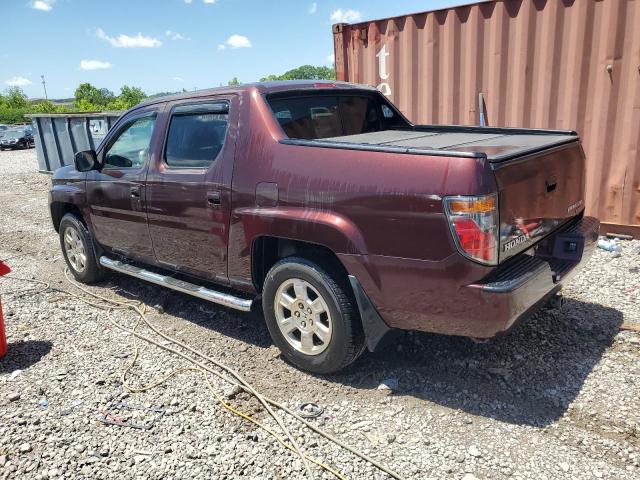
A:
(322, 201)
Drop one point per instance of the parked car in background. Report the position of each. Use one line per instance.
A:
(322, 201)
(3, 128)
(20, 137)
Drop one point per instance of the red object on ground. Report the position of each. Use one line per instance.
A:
(4, 269)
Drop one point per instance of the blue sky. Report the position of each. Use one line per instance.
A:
(167, 45)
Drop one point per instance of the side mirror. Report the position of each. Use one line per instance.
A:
(86, 161)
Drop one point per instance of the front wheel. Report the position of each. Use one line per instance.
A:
(310, 317)
(77, 248)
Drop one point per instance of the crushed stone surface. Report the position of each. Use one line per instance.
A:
(557, 398)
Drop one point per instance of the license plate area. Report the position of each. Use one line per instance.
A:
(568, 246)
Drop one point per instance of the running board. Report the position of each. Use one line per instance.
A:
(192, 289)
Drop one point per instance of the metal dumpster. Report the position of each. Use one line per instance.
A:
(59, 136)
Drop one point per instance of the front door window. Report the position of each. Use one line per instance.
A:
(131, 148)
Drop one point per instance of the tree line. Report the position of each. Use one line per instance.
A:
(14, 103)
(304, 72)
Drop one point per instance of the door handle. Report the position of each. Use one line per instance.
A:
(135, 191)
(214, 198)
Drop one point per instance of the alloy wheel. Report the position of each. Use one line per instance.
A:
(74, 249)
(303, 316)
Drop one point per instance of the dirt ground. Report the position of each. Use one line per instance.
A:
(556, 398)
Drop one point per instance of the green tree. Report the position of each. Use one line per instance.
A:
(234, 82)
(84, 105)
(131, 96)
(15, 98)
(87, 94)
(46, 106)
(304, 72)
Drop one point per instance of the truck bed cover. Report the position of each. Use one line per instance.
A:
(496, 144)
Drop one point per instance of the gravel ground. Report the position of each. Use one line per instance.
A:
(557, 398)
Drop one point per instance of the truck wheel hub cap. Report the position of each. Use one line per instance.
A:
(74, 249)
(303, 316)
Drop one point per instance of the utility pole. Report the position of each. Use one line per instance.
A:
(44, 85)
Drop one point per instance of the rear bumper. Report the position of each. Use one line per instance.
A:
(455, 296)
(517, 288)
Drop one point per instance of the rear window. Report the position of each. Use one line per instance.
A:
(324, 116)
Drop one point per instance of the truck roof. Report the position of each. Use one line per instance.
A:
(262, 87)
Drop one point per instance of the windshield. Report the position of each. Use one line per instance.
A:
(13, 134)
(314, 116)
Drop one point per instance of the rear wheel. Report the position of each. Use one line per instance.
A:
(311, 318)
(77, 248)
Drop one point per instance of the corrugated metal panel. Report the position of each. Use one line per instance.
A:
(565, 64)
(59, 136)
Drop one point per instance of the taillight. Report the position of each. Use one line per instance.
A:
(474, 226)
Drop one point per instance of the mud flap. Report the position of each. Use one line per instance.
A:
(377, 333)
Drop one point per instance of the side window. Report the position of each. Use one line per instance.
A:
(131, 148)
(196, 134)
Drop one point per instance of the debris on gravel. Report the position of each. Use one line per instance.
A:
(557, 398)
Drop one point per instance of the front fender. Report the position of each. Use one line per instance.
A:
(72, 194)
(65, 193)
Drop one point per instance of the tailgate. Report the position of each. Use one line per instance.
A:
(537, 193)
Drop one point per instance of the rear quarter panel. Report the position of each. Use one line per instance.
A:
(353, 202)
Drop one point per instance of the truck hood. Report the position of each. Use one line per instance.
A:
(67, 173)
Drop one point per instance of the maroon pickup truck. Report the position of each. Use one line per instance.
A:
(321, 199)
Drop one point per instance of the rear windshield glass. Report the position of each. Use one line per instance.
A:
(324, 116)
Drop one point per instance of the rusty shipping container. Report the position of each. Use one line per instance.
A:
(566, 64)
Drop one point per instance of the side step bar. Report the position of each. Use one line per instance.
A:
(192, 289)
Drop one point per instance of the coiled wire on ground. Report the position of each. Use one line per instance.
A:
(231, 376)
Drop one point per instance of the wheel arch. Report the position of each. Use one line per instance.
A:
(267, 250)
(60, 209)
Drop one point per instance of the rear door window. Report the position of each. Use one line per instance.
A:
(324, 116)
(196, 134)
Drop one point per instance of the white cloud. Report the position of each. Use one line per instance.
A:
(125, 41)
(221, 46)
(175, 35)
(345, 16)
(331, 58)
(18, 82)
(210, 1)
(187, 1)
(313, 8)
(94, 65)
(178, 79)
(238, 41)
(43, 5)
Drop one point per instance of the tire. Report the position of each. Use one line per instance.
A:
(334, 317)
(76, 240)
